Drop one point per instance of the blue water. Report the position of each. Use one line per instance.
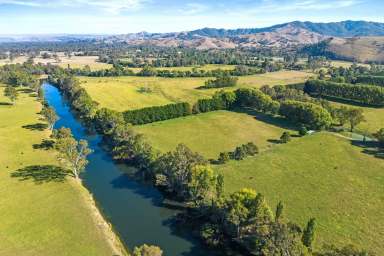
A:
(136, 211)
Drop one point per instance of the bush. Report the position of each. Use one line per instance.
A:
(223, 157)
(285, 137)
(303, 130)
(220, 82)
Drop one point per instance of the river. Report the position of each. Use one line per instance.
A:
(135, 210)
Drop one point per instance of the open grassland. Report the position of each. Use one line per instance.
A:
(345, 64)
(43, 211)
(213, 132)
(283, 77)
(73, 62)
(124, 93)
(374, 118)
(321, 176)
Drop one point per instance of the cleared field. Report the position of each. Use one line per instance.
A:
(283, 77)
(321, 176)
(123, 93)
(42, 211)
(213, 132)
(374, 118)
(73, 62)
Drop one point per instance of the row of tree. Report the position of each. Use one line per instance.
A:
(240, 152)
(312, 115)
(157, 113)
(367, 94)
(375, 80)
(220, 82)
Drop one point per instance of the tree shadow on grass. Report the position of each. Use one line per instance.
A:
(44, 145)
(26, 90)
(370, 147)
(41, 174)
(36, 127)
(269, 119)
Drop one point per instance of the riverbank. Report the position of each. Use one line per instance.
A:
(137, 211)
(106, 228)
(43, 210)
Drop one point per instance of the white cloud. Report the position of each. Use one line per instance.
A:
(110, 6)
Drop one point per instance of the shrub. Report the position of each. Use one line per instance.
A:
(285, 137)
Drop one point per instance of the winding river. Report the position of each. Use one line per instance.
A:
(136, 211)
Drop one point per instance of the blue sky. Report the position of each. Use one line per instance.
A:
(124, 16)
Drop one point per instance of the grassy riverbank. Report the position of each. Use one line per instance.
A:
(43, 210)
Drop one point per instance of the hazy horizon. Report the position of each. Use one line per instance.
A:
(154, 32)
(44, 17)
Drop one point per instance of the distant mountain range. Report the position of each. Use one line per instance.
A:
(355, 40)
(338, 29)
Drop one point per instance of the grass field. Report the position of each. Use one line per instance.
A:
(321, 176)
(374, 118)
(73, 62)
(213, 132)
(123, 93)
(274, 78)
(50, 217)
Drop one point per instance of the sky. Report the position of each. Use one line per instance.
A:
(130, 16)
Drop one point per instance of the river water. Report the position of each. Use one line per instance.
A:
(136, 211)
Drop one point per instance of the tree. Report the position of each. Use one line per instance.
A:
(11, 93)
(147, 250)
(279, 212)
(355, 117)
(50, 116)
(239, 153)
(285, 137)
(62, 133)
(380, 136)
(303, 130)
(40, 94)
(173, 169)
(342, 115)
(73, 153)
(223, 157)
(246, 210)
(202, 185)
(309, 233)
(251, 149)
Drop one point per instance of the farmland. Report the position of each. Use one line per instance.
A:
(42, 208)
(319, 176)
(214, 132)
(64, 61)
(124, 93)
